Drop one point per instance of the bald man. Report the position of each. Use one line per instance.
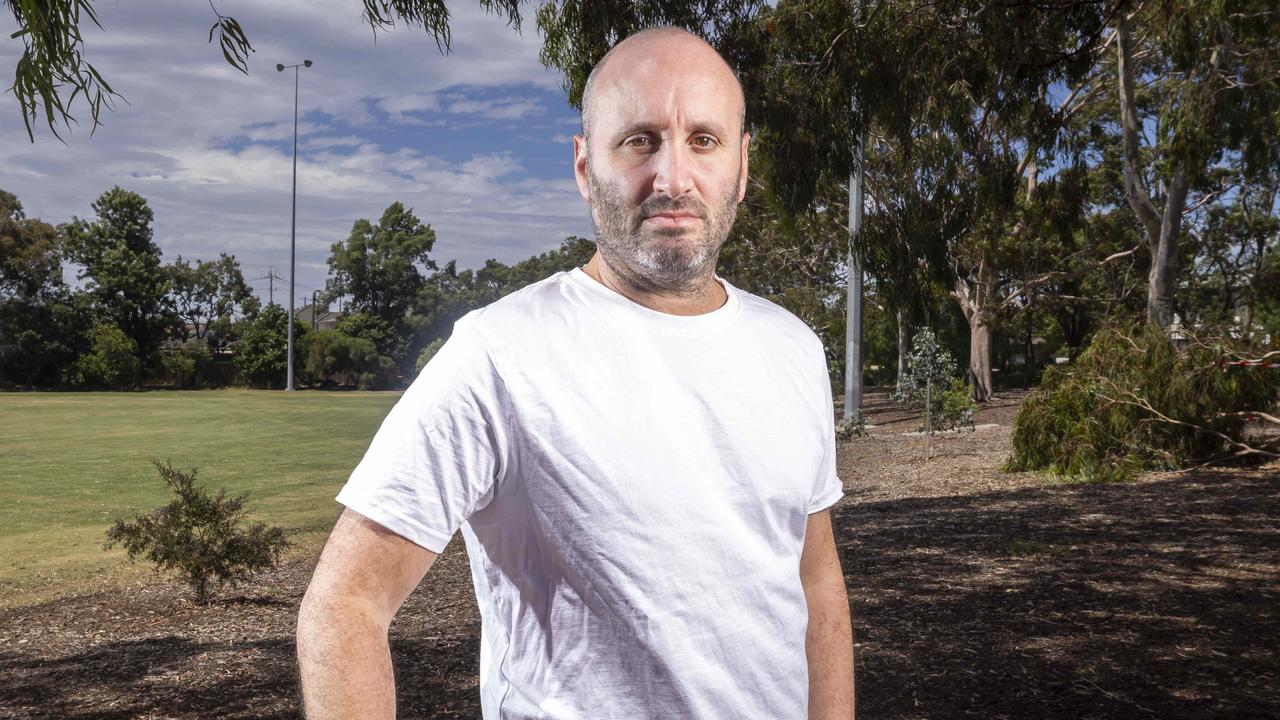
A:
(639, 455)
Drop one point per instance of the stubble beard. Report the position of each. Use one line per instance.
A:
(676, 260)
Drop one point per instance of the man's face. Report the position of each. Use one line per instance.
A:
(666, 163)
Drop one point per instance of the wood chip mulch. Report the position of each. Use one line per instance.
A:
(975, 593)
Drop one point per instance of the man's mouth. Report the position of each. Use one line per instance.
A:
(673, 219)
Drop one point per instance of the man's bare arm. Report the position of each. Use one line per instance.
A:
(364, 574)
(829, 641)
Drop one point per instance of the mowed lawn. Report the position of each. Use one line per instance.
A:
(70, 463)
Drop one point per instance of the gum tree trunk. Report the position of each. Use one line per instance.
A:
(1162, 227)
(976, 304)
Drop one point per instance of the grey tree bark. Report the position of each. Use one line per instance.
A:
(1162, 227)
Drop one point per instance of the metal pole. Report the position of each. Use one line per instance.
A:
(293, 226)
(928, 413)
(853, 318)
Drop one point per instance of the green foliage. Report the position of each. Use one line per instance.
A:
(794, 262)
(386, 340)
(39, 341)
(382, 377)
(380, 266)
(851, 427)
(122, 265)
(112, 361)
(30, 260)
(198, 536)
(955, 408)
(44, 326)
(427, 353)
(204, 293)
(262, 356)
(332, 355)
(187, 365)
(50, 33)
(1133, 402)
(931, 380)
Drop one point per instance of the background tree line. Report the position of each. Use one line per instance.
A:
(136, 320)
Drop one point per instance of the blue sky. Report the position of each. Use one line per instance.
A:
(477, 142)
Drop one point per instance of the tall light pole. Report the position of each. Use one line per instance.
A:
(853, 307)
(293, 217)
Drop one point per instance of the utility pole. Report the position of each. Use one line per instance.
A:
(315, 324)
(293, 217)
(271, 277)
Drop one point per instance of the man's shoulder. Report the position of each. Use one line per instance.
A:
(778, 321)
(520, 310)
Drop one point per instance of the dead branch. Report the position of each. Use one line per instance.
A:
(1250, 414)
(1142, 404)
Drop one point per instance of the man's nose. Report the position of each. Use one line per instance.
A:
(674, 175)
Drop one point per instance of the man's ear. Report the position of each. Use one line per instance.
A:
(580, 166)
(742, 182)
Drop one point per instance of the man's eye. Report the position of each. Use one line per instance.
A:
(705, 141)
(638, 141)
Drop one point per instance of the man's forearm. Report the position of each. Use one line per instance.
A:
(345, 662)
(829, 647)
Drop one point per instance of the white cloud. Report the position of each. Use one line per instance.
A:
(331, 141)
(209, 147)
(503, 109)
(396, 107)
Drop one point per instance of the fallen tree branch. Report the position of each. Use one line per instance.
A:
(1142, 404)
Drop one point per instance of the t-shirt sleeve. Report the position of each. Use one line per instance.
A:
(827, 487)
(442, 449)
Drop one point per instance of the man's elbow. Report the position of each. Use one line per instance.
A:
(328, 616)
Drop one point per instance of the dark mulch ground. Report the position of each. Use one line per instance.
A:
(975, 594)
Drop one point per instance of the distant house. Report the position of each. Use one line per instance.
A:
(317, 317)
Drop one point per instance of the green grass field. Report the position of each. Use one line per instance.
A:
(73, 462)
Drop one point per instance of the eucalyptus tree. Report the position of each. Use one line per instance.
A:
(1233, 257)
(917, 208)
(1197, 85)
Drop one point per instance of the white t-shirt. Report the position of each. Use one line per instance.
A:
(633, 488)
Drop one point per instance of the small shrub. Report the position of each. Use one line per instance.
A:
(382, 377)
(851, 427)
(187, 364)
(112, 362)
(200, 537)
(955, 408)
(336, 356)
(931, 380)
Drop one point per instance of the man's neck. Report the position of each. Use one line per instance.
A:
(704, 297)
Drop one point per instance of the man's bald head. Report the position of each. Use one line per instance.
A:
(644, 44)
